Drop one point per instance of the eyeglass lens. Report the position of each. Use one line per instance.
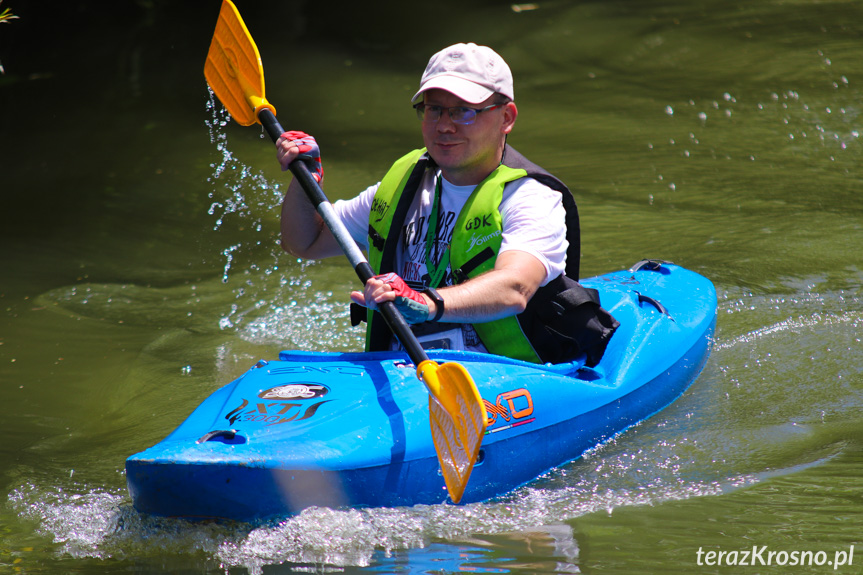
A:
(458, 114)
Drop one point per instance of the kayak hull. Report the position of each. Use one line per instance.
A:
(352, 429)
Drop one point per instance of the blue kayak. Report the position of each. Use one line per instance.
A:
(352, 429)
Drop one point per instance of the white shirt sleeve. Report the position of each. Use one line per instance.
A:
(354, 213)
(534, 221)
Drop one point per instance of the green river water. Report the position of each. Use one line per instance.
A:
(140, 271)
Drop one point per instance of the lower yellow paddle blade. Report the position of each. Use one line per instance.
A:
(458, 421)
(233, 68)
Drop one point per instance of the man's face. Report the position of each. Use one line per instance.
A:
(466, 153)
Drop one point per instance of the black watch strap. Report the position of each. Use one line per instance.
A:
(438, 302)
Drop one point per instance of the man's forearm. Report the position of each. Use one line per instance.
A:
(501, 292)
(488, 297)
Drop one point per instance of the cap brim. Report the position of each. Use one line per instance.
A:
(465, 89)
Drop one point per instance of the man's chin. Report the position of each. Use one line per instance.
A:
(448, 156)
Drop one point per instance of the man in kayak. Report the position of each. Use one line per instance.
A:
(473, 243)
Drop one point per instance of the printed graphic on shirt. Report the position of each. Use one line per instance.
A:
(413, 237)
(414, 271)
(471, 337)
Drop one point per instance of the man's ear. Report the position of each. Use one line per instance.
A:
(510, 113)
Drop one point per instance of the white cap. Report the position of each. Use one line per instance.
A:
(471, 72)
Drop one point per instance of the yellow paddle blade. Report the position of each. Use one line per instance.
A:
(233, 68)
(458, 421)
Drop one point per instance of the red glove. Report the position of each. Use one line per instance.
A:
(310, 153)
(410, 302)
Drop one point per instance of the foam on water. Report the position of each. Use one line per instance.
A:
(85, 522)
(98, 523)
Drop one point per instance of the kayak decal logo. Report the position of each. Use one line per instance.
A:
(273, 413)
(297, 390)
(307, 369)
(512, 408)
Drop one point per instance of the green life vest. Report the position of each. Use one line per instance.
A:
(475, 242)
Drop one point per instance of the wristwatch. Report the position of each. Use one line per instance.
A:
(438, 302)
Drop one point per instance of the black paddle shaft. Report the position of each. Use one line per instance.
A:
(364, 271)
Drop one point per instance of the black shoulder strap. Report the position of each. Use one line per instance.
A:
(381, 334)
(513, 159)
(388, 254)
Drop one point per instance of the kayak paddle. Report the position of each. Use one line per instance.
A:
(457, 415)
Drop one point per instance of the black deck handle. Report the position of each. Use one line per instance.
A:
(655, 303)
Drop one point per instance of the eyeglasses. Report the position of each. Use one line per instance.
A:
(458, 114)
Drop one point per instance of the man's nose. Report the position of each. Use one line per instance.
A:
(445, 123)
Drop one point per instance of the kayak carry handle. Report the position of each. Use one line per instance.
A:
(655, 303)
(224, 436)
(649, 265)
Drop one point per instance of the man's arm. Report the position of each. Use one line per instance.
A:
(501, 292)
(303, 231)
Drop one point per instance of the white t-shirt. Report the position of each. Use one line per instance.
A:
(533, 220)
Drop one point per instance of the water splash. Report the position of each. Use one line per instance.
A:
(239, 194)
(261, 273)
(95, 523)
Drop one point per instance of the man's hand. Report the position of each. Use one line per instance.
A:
(297, 145)
(390, 287)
